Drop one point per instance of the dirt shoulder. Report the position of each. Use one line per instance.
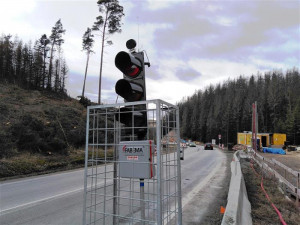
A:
(291, 159)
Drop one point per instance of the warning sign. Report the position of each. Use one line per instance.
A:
(132, 157)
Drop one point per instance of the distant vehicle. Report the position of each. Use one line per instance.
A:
(208, 146)
(192, 144)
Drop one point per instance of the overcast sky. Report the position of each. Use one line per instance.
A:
(190, 43)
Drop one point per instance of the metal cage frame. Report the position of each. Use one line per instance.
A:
(112, 199)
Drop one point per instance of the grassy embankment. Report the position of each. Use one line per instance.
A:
(40, 132)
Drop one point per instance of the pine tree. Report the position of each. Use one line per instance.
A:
(44, 42)
(108, 23)
(18, 60)
(87, 45)
(8, 71)
(55, 40)
(64, 73)
(37, 65)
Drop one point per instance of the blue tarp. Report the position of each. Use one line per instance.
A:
(274, 151)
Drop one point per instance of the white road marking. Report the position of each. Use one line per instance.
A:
(38, 201)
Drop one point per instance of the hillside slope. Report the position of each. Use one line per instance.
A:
(38, 124)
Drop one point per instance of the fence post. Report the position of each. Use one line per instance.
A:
(284, 173)
(297, 196)
(262, 167)
(274, 168)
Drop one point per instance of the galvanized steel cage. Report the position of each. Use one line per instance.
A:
(112, 199)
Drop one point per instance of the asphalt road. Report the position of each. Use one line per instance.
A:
(58, 198)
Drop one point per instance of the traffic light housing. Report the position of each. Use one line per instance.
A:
(132, 88)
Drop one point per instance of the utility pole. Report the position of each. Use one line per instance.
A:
(254, 126)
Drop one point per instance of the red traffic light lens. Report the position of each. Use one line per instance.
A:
(128, 64)
(132, 71)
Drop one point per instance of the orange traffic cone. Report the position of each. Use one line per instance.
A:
(222, 210)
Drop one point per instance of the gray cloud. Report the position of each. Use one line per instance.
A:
(192, 23)
(75, 85)
(266, 16)
(187, 74)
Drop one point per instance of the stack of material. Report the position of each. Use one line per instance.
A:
(239, 147)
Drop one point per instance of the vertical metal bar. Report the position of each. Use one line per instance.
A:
(154, 196)
(96, 159)
(133, 122)
(297, 196)
(178, 169)
(115, 172)
(92, 176)
(86, 165)
(119, 182)
(105, 167)
(131, 189)
(142, 200)
(159, 175)
(169, 165)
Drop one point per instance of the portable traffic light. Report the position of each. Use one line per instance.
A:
(132, 88)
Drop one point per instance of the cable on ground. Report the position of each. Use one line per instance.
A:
(267, 196)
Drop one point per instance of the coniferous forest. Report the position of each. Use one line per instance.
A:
(39, 65)
(220, 109)
(227, 108)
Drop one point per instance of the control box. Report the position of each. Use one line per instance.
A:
(135, 159)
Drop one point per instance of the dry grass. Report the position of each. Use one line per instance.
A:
(27, 164)
(262, 211)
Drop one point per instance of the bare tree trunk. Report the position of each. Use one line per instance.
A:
(101, 60)
(50, 67)
(86, 68)
(44, 69)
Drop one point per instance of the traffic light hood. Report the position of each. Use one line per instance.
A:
(128, 64)
(129, 91)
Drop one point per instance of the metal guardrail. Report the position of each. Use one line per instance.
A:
(295, 188)
(295, 173)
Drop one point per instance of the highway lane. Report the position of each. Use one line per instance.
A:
(27, 191)
(58, 198)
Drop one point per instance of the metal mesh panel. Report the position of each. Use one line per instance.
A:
(111, 195)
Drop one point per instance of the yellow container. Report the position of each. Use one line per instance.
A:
(279, 139)
(244, 138)
(248, 139)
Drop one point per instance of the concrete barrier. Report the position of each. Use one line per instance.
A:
(238, 209)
